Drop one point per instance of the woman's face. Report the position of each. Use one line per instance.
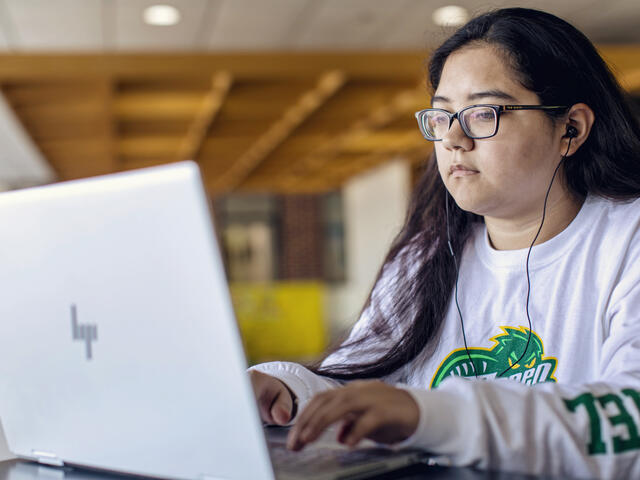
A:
(505, 176)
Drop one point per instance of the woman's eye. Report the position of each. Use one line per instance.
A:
(482, 116)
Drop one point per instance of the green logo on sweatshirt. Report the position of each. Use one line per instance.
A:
(491, 362)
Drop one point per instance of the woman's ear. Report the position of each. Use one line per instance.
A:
(577, 127)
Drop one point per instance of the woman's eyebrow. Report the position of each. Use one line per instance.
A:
(493, 94)
(439, 98)
(478, 95)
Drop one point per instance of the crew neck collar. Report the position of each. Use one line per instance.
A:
(541, 254)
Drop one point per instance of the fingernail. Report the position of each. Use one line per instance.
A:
(293, 445)
(292, 438)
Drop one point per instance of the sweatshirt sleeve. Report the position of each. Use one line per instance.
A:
(590, 429)
(301, 381)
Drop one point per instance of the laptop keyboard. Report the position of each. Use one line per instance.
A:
(316, 459)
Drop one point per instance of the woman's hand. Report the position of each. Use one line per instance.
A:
(275, 400)
(367, 409)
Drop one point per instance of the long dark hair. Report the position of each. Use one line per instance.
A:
(405, 311)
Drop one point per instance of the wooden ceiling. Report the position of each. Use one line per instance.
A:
(287, 123)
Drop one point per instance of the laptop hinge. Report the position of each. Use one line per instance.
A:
(47, 458)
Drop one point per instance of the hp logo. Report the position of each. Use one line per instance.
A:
(83, 331)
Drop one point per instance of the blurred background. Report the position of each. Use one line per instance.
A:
(299, 113)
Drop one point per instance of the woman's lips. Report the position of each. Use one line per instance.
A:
(460, 171)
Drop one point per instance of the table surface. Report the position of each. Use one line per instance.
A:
(24, 470)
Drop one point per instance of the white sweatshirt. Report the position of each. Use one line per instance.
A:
(570, 408)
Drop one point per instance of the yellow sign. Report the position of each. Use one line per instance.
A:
(281, 321)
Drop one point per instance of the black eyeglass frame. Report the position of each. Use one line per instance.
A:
(496, 108)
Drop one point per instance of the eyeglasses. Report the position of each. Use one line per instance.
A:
(476, 121)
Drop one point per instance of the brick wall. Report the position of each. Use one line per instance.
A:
(301, 252)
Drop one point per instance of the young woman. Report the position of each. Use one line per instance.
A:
(504, 327)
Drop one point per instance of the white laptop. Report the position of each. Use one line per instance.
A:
(119, 349)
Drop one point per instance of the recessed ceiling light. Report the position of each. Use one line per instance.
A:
(450, 16)
(163, 15)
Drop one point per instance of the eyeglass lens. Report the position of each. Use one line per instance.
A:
(476, 121)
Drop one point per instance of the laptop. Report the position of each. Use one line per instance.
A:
(119, 347)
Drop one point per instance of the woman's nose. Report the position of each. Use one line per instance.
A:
(455, 138)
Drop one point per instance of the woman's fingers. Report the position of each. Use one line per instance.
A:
(281, 407)
(322, 411)
(315, 404)
(346, 427)
(273, 398)
(367, 409)
(362, 427)
(336, 409)
(342, 398)
(264, 397)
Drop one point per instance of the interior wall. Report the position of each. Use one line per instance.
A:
(374, 205)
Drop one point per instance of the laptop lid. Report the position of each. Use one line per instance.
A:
(119, 348)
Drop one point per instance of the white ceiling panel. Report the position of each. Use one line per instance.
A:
(414, 29)
(55, 25)
(131, 33)
(353, 24)
(107, 25)
(251, 25)
(618, 22)
(619, 18)
(589, 16)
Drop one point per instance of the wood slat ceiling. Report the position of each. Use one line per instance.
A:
(287, 123)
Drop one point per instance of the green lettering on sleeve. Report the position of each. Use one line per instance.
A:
(621, 444)
(596, 445)
(634, 395)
